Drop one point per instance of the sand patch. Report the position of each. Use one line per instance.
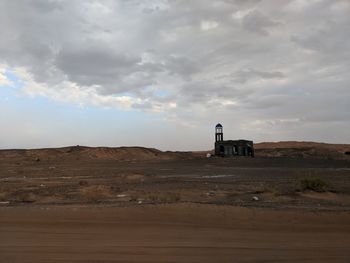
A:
(327, 196)
(135, 177)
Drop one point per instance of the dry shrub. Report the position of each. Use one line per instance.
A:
(27, 197)
(83, 183)
(165, 197)
(313, 184)
(273, 189)
(96, 193)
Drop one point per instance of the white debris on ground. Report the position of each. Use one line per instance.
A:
(255, 198)
(211, 193)
(216, 176)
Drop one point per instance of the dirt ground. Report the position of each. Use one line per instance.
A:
(172, 233)
(101, 205)
(257, 182)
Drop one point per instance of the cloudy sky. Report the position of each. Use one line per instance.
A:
(162, 73)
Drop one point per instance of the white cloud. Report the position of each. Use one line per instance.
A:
(4, 81)
(208, 25)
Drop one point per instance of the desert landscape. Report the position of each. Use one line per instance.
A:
(132, 204)
(164, 131)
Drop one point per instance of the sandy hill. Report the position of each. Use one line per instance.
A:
(289, 149)
(296, 149)
(83, 152)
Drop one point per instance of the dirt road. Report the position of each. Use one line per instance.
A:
(172, 233)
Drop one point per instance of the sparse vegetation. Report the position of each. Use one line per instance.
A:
(313, 183)
(165, 197)
(96, 193)
(27, 197)
(83, 183)
(266, 188)
(277, 182)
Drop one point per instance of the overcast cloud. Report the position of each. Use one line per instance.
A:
(268, 70)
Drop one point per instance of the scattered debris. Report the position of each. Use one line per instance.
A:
(121, 196)
(52, 167)
(42, 185)
(217, 176)
(140, 202)
(211, 193)
(255, 198)
(208, 155)
(4, 202)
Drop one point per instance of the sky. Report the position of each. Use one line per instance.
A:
(162, 74)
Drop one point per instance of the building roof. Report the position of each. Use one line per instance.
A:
(218, 125)
(235, 142)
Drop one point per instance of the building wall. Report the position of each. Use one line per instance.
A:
(234, 148)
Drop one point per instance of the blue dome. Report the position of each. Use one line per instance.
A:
(218, 125)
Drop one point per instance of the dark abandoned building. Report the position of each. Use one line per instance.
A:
(231, 147)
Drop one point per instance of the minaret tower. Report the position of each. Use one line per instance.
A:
(219, 135)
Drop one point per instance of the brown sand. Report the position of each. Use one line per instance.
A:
(172, 233)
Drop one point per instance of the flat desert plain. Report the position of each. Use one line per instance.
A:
(80, 204)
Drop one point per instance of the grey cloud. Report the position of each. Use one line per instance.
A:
(203, 93)
(95, 65)
(257, 22)
(275, 61)
(245, 75)
(46, 5)
(182, 66)
(269, 101)
(331, 39)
